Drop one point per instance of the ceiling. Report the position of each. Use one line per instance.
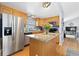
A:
(34, 8)
(70, 9)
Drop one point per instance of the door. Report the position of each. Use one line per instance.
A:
(18, 33)
(21, 33)
(7, 35)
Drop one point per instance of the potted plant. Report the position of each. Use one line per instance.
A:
(47, 27)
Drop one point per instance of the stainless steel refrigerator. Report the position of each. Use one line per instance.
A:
(11, 34)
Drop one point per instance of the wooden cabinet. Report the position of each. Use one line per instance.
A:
(9, 10)
(5, 9)
(40, 48)
(21, 14)
(43, 21)
(16, 12)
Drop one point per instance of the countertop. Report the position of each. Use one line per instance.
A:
(43, 37)
(34, 32)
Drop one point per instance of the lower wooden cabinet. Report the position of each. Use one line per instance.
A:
(43, 48)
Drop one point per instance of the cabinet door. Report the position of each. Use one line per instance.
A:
(27, 40)
(5, 9)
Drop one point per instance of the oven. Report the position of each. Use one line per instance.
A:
(70, 32)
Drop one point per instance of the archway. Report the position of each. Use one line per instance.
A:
(61, 27)
(59, 8)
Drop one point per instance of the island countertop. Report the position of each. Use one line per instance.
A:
(43, 37)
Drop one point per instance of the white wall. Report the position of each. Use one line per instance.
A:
(75, 22)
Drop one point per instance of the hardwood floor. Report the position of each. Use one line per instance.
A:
(61, 50)
(68, 43)
(24, 52)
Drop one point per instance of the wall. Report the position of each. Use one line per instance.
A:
(43, 21)
(75, 22)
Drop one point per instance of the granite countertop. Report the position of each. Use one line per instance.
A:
(27, 33)
(43, 37)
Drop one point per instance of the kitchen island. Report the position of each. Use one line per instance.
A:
(43, 44)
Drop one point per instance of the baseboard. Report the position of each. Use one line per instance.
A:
(15, 52)
(26, 45)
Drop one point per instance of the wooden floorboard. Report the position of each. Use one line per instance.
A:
(24, 52)
(68, 43)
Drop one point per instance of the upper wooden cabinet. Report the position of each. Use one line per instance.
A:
(18, 13)
(9, 10)
(5, 9)
(0, 7)
(43, 21)
(21, 14)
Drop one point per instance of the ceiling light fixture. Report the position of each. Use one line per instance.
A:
(46, 4)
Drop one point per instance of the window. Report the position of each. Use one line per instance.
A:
(31, 24)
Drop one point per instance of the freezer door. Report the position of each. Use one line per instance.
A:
(14, 31)
(21, 33)
(18, 33)
(7, 45)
